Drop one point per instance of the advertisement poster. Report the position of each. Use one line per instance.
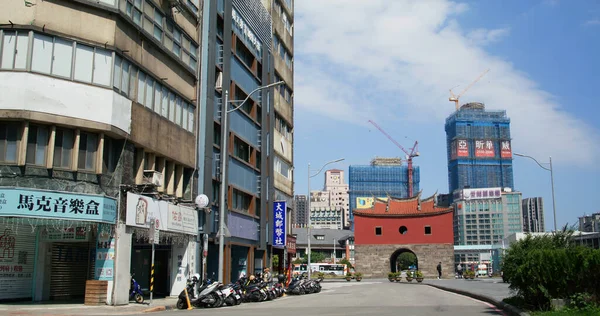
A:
(279, 231)
(462, 148)
(17, 253)
(484, 148)
(505, 151)
(105, 254)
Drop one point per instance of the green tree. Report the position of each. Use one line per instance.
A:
(315, 257)
(346, 262)
(405, 260)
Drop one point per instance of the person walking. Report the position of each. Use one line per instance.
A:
(439, 270)
(460, 272)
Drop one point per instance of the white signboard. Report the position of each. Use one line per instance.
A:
(170, 217)
(479, 194)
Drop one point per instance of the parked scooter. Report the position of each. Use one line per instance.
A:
(209, 295)
(135, 291)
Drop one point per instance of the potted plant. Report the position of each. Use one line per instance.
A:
(469, 275)
(398, 276)
(358, 276)
(419, 276)
(391, 276)
(348, 276)
(409, 276)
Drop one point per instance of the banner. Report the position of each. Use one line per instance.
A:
(21, 202)
(476, 194)
(105, 254)
(505, 151)
(170, 217)
(462, 148)
(484, 148)
(279, 229)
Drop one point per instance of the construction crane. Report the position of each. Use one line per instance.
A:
(454, 98)
(409, 156)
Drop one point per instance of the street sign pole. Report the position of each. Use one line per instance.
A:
(154, 239)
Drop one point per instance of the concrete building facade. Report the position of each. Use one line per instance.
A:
(98, 103)
(590, 223)
(486, 216)
(533, 215)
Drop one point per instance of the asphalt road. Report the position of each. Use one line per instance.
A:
(379, 298)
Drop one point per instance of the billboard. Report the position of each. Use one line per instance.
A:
(462, 148)
(505, 151)
(484, 148)
(367, 202)
(478, 194)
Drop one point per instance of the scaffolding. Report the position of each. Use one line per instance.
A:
(470, 124)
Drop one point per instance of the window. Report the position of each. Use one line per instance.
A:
(112, 151)
(403, 230)
(164, 111)
(378, 230)
(37, 142)
(9, 132)
(177, 42)
(63, 148)
(178, 114)
(84, 61)
(88, 144)
(171, 107)
(241, 201)
(241, 150)
(42, 53)
(140, 87)
(244, 53)
(62, 57)
(427, 230)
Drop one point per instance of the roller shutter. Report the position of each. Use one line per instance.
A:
(17, 260)
(72, 265)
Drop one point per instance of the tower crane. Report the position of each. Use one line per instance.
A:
(409, 156)
(454, 98)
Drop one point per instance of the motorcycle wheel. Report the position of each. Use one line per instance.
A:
(139, 298)
(181, 304)
(230, 301)
(218, 301)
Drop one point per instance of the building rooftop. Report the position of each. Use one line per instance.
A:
(328, 235)
(403, 207)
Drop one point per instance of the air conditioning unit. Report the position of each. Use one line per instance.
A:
(154, 178)
(219, 83)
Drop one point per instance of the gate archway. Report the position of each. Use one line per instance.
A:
(395, 265)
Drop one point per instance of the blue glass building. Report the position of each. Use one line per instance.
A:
(479, 148)
(367, 182)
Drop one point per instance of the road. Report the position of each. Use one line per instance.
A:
(379, 298)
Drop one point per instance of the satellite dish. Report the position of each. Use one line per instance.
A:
(202, 201)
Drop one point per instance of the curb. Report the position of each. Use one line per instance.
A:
(511, 310)
(159, 309)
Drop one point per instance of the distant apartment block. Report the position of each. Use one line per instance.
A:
(590, 223)
(299, 213)
(533, 215)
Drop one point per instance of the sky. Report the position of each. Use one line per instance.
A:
(394, 61)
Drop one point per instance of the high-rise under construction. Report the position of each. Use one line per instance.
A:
(479, 148)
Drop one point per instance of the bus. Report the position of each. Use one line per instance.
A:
(327, 268)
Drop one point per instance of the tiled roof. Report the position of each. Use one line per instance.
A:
(403, 207)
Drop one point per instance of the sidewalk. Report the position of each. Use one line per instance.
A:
(491, 290)
(65, 308)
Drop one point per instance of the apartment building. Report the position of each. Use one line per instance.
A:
(98, 128)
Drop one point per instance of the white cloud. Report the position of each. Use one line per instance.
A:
(485, 36)
(401, 57)
(592, 22)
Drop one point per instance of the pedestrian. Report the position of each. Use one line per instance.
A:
(439, 270)
(460, 272)
(267, 277)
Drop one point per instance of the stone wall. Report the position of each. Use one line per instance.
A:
(374, 260)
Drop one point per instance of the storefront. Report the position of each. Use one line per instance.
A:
(49, 243)
(175, 252)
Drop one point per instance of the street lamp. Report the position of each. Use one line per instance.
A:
(551, 179)
(308, 228)
(224, 157)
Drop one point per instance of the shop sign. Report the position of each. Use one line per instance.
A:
(66, 234)
(169, 217)
(291, 244)
(23, 202)
(484, 148)
(505, 151)
(246, 34)
(105, 254)
(279, 233)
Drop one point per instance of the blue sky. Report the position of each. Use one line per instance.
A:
(394, 61)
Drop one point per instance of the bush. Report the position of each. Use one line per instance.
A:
(546, 267)
(419, 274)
